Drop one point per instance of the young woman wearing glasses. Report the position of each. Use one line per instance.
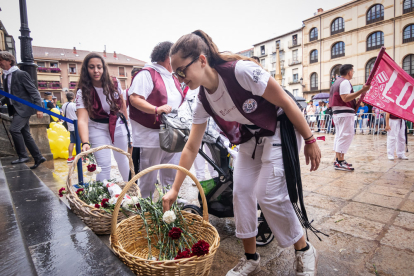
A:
(252, 110)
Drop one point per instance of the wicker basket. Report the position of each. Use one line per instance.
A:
(97, 220)
(129, 241)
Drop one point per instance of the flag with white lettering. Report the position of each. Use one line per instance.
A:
(391, 88)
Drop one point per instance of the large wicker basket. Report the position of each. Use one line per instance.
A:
(98, 220)
(129, 241)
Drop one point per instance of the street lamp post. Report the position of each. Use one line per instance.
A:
(26, 53)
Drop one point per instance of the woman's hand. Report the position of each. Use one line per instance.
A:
(86, 147)
(168, 199)
(164, 109)
(313, 153)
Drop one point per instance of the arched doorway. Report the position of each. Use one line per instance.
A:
(334, 73)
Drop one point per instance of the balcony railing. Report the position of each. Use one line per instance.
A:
(369, 48)
(410, 39)
(274, 48)
(313, 38)
(375, 20)
(293, 44)
(49, 85)
(72, 85)
(407, 10)
(315, 60)
(314, 88)
(338, 55)
(294, 62)
(48, 70)
(337, 31)
(293, 80)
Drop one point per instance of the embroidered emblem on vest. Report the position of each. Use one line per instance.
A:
(249, 106)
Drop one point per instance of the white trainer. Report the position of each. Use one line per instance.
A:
(390, 157)
(245, 267)
(306, 262)
(403, 157)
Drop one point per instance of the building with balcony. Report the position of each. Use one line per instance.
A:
(290, 55)
(59, 69)
(247, 53)
(6, 44)
(353, 34)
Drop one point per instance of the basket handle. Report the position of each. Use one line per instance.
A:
(150, 169)
(86, 153)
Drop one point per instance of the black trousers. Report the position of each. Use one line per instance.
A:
(136, 159)
(22, 138)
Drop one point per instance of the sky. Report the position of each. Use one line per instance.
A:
(134, 27)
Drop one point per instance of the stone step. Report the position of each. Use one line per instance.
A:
(57, 241)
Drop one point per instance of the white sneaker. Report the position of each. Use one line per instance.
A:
(403, 157)
(306, 262)
(390, 157)
(245, 267)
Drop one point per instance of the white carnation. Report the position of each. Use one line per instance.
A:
(113, 200)
(134, 200)
(169, 217)
(98, 170)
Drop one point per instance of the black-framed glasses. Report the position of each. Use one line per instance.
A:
(181, 72)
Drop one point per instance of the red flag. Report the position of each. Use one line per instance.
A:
(391, 88)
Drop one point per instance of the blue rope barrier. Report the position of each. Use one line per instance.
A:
(74, 122)
(17, 99)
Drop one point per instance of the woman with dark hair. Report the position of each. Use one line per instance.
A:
(252, 110)
(101, 115)
(153, 91)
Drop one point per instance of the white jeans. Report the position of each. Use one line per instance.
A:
(344, 128)
(99, 136)
(396, 136)
(263, 180)
(156, 156)
(200, 165)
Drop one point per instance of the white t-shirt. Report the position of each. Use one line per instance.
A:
(69, 111)
(344, 88)
(250, 76)
(143, 86)
(120, 127)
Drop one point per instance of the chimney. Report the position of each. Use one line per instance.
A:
(320, 10)
(114, 54)
(104, 53)
(74, 50)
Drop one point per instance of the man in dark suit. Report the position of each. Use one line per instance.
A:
(19, 84)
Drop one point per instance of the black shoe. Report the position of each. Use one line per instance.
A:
(38, 162)
(20, 160)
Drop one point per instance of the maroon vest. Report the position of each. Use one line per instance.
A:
(335, 98)
(158, 97)
(101, 115)
(263, 113)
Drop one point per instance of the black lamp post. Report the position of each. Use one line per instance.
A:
(26, 53)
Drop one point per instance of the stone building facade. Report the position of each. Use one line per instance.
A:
(353, 34)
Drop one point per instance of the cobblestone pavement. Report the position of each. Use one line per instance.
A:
(368, 214)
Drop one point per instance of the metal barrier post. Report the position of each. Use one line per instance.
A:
(78, 151)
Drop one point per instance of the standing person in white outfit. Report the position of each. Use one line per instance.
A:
(396, 136)
(343, 103)
(100, 107)
(200, 162)
(69, 111)
(248, 106)
(154, 91)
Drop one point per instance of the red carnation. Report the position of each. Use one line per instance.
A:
(62, 192)
(175, 233)
(104, 203)
(184, 254)
(97, 206)
(91, 167)
(138, 206)
(200, 248)
(79, 191)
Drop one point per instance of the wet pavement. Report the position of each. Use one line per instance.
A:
(369, 215)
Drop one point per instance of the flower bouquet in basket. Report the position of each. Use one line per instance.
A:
(169, 230)
(98, 194)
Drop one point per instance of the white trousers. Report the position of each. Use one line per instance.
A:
(99, 136)
(344, 128)
(396, 138)
(263, 180)
(200, 165)
(156, 156)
